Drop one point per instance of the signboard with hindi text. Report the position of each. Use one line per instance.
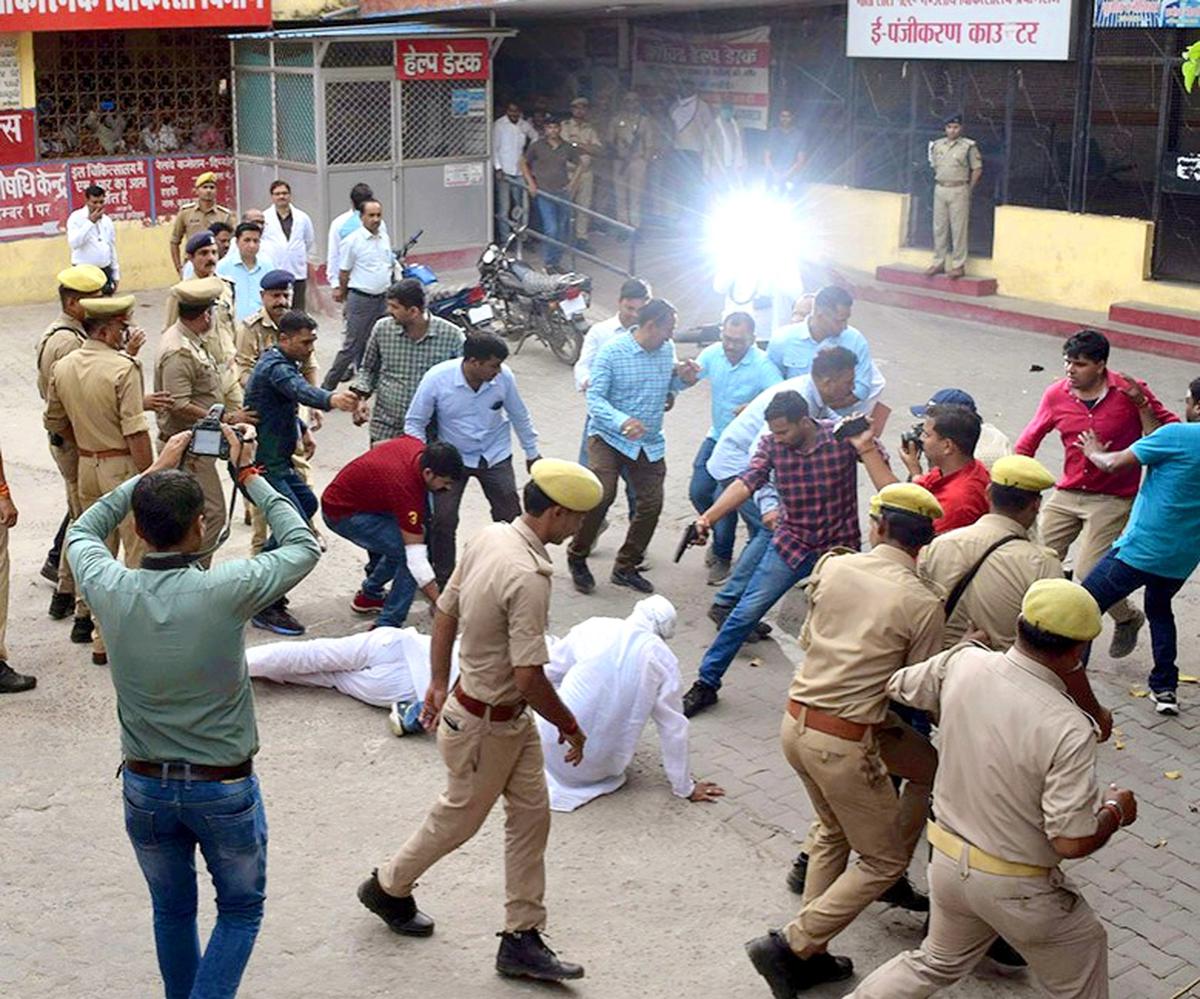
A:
(16, 137)
(175, 176)
(91, 15)
(1146, 14)
(34, 200)
(441, 58)
(126, 182)
(960, 29)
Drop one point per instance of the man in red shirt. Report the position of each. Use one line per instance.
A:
(379, 501)
(956, 477)
(1089, 504)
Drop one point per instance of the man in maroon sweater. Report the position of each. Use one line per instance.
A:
(380, 501)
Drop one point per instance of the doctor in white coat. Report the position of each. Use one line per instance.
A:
(615, 676)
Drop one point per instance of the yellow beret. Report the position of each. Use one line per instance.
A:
(95, 308)
(82, 277)
(1021, 472)
(208, 177)
(568, 483)
(906, 496)
(1061, 607)
(199, 291)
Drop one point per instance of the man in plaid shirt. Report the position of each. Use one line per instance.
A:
(816, 476)
(403, 345)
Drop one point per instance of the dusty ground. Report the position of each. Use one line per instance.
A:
(654, 895)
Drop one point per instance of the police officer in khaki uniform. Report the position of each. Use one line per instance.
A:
(198, 215)
(957, 167)
(581, 134)
(1015, 794)
(95, 399)
(630, 137)
(11, 682)
(500, 595)
(869, 614)
(62, 336)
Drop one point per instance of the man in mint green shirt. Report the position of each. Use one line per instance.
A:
(186, 709)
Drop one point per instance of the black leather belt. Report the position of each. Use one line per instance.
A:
(177, 770)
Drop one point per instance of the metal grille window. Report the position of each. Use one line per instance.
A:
(296, 137)
(254, 114)
(252, 53)
(358, 115)
(293, 54)
(344, 55)
(106, 93)
(440, 118)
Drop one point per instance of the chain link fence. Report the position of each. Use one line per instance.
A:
(358, 121)
(349, 55)
(295, 124)
(443, 118)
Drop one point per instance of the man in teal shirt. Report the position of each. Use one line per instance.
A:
(184, 701)
(1160, 546)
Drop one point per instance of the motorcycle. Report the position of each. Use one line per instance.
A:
(464, 305)
(549, 307)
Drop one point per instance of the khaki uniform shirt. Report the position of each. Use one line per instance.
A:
(220, 341)
(869, 614)
(992, 601)
(954, 161)
(630, 136)
(96, 393)
(192, 219)
(188, 371)
(257, 334)
(60, 338)
(1016, 756)
(575, 133)
(500, 594)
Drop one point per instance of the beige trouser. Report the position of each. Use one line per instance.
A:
(1045, 919)
(1096, 520)
(857, 809)
(66, 458)
(951, 216)
(629, 185)
(258, 522)
(205, 471)
(485, 760)
(98, 476)
(3, 593)
(585, 189)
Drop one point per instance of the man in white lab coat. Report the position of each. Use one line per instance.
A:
(615, 676)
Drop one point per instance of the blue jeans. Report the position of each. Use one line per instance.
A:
(630, 495)
(1112, 579)
(772, 578)
(556, 223)
(743, 568)
(291, 487)
(703, 491)
(166, 821)
(380, 535)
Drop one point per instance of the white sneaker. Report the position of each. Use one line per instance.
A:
(1165, 702)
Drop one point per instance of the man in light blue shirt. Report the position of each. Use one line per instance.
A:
(738, 372)
(1160, 547)
(476, 406)
(627, 396)
(245, 269)
(793, 347)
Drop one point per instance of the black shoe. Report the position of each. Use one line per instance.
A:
(401, 914)
(1165, 702)
(698, 697)
(762, 629)
(824, 967)
(50, 569)
(1001, 951)
(717, 614)
(12, 682)
(525, 955)
(61, 605)
(903, 895)
(276, 618)
(581, 575)
(99, 658)
(81, 630)
(787, 974)
(633, 579)
(798, 874)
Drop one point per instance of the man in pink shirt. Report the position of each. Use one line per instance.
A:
(1089, 504)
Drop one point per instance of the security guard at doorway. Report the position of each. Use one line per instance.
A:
(1015, 794)
(196, 216)
(957, 167)
(500, 595)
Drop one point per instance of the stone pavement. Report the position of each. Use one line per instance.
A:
(655, 896)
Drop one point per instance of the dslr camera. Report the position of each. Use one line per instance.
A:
(208, 440)
(913, 436)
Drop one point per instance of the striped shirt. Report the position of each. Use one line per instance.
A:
(628, 381)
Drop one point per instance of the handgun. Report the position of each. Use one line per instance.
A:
(691, 536)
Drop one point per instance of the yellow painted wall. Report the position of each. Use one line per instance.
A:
(1071, 260)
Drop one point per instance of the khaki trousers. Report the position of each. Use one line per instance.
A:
(857, 809)
(3, 593)
(951, 217)
(66, 458)
(1046, 919)
(205, 471)
(629, 185)
(98, 476)
(486, 760)
(1096, 520)
(585, 190)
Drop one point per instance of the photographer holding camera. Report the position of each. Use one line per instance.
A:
(186, 711)
(193, 378)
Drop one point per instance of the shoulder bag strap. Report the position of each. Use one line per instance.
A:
(961, 586)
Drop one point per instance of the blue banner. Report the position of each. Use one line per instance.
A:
(1147, 14)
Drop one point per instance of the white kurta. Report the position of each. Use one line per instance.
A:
(615, 677)
(378, 667)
